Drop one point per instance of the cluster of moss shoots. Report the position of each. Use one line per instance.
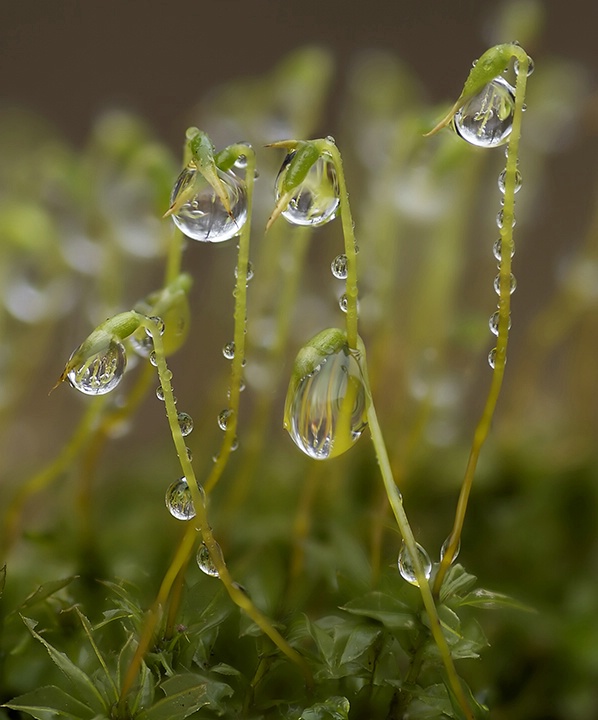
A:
(329, 403)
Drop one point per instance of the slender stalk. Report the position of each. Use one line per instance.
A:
(504, 307)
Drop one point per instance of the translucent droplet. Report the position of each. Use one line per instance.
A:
(160, 393)
(316, 200)
(249, 272)
(530, 66)
(158, 322)
(405, 564)
(235, 444)
(502, 177)
(500, 219)
(444, 548)
(339, 267)
(494, 320)
(343, 302)
(189, 454)
(512, 288)
(492, 358)
(223, 418)
(179, 500)
(497, 249)
(203, 216)
(326, 410)
(153, 358)
(141, 344)
(101, 372)
(185, 423)
(486, 120)
(229, 350)
(241, 162)
(205, 562)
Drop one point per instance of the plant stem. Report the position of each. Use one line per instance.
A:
(504, 307)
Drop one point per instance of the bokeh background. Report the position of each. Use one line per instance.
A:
(532, 530)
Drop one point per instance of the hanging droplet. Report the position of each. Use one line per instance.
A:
(203, 216)
(160, 393)
(494, 321)
(326, 408)
(153, 358)
(444, 548)
(205, 562)
(229, 350)
(343, 302)
(101, 372)
(189, 454)
(223, 418)
(141, 344)
(235, 444)
(179, 500)
(502, 178)
(492, 358)
(316, 199)
(530, 66)
(339, 267)
(512, 285)
(500, 219)
(241, 162)
(406, 567)
(249, 271)
(158, 322)
(185, 423)
(486, 120)
(497, 249)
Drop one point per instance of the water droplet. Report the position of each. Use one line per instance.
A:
(158, 322)
(405, 564)
(185, 423)
(316, 199)
(444, 548)
(203, 216)
(486, 120)
(343, 302)
(326, 410)
(502, 177)
(101, 372)
(500, 219)
(492, 358)
(153, 358)
(223, 418)
(229, 350)
(179, 500)
(497, 249)
(141, 344)
(249, 272)
(189, 454)
(530, 66)
(160, 393)
(339, 267)
(494, 320)
(241, 162)
(513, 284)
(235, 444)
(205, 562)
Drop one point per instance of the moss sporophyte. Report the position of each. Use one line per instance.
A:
(392, 652)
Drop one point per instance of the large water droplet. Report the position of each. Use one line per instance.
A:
(316, 200)
(326, 410)
(185, 423)
(530, 66)
(203, 216)
(502, 178)
(492, 358)
(205, 562)
(512, 284)
(339, 267)
(405, 564)
(223, 418)
(500, 219)
(179, 500)
(160, 393)
(158, 322)
(101, 372)
(494, 321)
(486, 120)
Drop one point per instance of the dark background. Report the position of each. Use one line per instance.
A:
(70, 59)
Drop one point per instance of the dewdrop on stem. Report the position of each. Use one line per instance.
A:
(202, 215)
(185, 422)
(179, 500)
(406, 565)
(327, 400)
(486, 120)
(205, 562)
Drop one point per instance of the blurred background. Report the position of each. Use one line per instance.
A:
(387, 70)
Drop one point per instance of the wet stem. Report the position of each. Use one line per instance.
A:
(392, 492)
(504, 306)
(188, 541)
